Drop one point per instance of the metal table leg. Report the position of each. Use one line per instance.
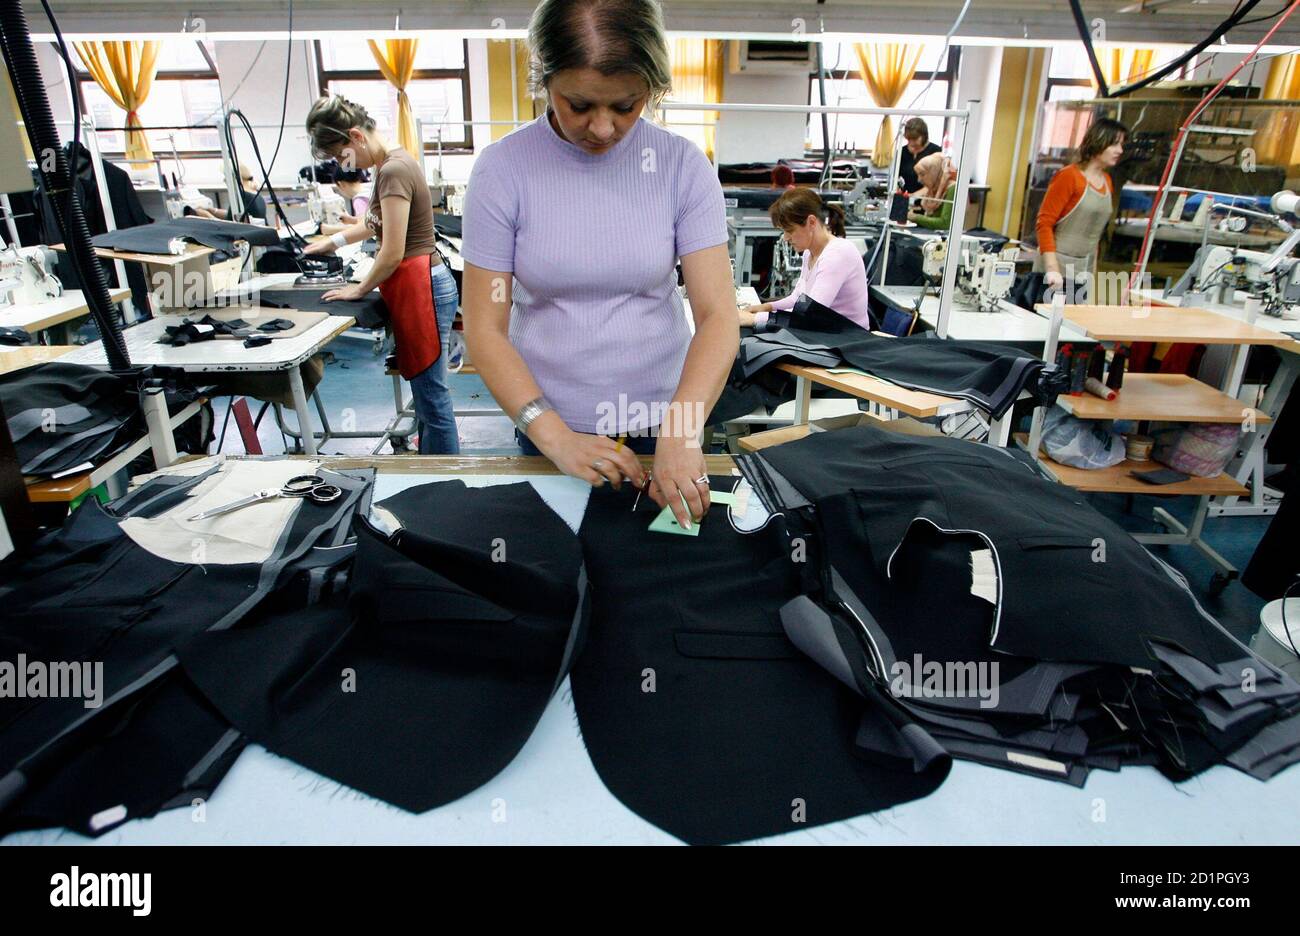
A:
(306, 432)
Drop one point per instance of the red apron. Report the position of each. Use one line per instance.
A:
(408, 293)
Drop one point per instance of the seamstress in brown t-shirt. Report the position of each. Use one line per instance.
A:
(417, 287)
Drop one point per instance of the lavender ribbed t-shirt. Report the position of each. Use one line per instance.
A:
(592, 241)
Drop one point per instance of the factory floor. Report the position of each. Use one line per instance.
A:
(356, 391)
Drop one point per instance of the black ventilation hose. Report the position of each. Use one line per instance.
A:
(29, 88)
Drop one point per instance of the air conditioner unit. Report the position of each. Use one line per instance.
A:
(770, 57)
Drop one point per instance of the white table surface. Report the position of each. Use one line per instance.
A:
(551, 793)
(64, 308)
(966, 323)
(218, 355)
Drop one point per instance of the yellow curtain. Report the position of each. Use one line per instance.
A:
(396, 60)
(697, 76)
(1278, 143)
(1113, 60)
(124, 71)
(886, 70)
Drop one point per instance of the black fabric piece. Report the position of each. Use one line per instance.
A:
(459, 629)
(1099, 612)
(163, 747)
(89, 593)
(370, 312)
(447, 224)
(127, 213)
(989, 375)
(62, 415)
(12, 335)
(1142, 675)
(1275, 565)
(744, 740)
(154, 238)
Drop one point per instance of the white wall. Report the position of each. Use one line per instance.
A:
(760, 137)
(980, 71)
(261, 97)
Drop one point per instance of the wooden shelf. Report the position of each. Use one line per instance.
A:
(1164, 323)
(761, 440)
(1117, 480)
(1164, 397)
(912, 402)
(19, 358)
(192, 251)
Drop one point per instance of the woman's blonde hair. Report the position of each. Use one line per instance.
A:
(612, 36)
(329, 121)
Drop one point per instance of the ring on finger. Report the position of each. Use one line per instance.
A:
(703, 479)
(598, 464)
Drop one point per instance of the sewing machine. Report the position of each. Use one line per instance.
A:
(1271, 277)
(27, 276)
(325, 205)
(984, 278)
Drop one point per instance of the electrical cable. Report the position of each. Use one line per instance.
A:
(1081, 25)
(1147, 238)
(38, 119)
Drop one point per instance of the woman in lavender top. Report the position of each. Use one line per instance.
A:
(573, 227)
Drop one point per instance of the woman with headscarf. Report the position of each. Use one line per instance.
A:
(936, 174)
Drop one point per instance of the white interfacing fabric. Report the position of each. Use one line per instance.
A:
(244, 535)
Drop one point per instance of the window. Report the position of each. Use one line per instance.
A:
(439, 87)
(1069, 74)
(847, 89)
(185, 93)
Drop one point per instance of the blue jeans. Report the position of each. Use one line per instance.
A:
(429, 392)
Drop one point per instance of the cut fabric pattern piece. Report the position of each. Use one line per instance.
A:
(991, 376)
(427, 683)
(156, 238)
(698, 713)
(370, 312)
(248, 535)
(1094, 653)
(90, 595)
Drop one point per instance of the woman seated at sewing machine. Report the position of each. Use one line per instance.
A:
(936, 175)
(833, 278)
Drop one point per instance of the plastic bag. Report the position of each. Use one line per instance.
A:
(1081, 443)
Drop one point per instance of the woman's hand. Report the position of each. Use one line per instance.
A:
(913, 214)
(747, 315)
(593, 458)
(680, 478)
(322, 246)
(1053, 279)
(347, 293)
(348, 220)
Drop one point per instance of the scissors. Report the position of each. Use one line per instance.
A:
(308, 487)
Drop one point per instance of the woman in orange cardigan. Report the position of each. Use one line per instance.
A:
(1077, 205)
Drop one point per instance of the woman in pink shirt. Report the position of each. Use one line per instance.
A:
(833, 273)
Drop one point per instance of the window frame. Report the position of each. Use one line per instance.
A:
(463, 146)
(948, 75)
(210, 74)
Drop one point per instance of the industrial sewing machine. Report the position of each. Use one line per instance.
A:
(1272, 277)
(27, 276)
(983, 278)
(325, 205)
